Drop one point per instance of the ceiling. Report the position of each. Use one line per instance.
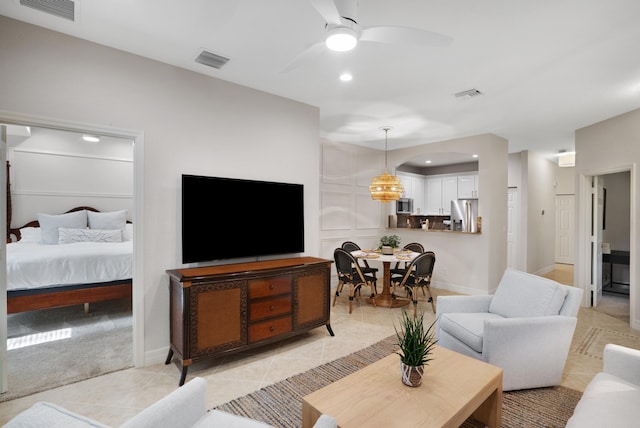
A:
(545, 67)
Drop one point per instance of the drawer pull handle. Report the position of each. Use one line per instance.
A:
(272, 328)
(271, 286)
(271, 307)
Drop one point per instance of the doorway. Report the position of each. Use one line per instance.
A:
(137, 293)
(616, 229)
(600, 217)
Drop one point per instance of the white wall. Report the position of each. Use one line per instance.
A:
(191, 124)
(618, 210)
(471, 264)
(347, 211)
(53, 171)
(535, 176)
(541, 223)
(566, 180)
(603, 148)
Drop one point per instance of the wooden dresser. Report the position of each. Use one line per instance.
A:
(229, 308)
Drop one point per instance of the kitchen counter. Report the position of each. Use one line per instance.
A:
(434, 230)
(436, 223)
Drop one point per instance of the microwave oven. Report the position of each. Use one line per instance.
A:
(404, 206)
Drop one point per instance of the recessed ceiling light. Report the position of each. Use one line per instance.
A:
(474, 156)
(427, 161)
(91, 138)
(346, 77)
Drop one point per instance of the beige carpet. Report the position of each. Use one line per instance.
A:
(73, 346)
(280, 404)
(594, 341)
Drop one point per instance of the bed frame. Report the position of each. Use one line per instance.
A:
(64, 295)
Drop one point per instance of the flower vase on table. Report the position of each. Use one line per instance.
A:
(389, 243)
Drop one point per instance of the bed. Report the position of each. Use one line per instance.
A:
(76, 265)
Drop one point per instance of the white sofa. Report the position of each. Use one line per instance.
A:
(525, 328)
(183, 408)
(612, 398)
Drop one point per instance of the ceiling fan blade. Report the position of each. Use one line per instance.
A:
(306, 55)
(328, 10)
(404, 36)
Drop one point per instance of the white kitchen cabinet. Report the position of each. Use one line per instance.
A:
(468, 186)
(406, 184)
(449, 193)
(413, 188)
(440, 191)
(417, 187)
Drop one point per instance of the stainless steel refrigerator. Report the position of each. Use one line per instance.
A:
(464, 215)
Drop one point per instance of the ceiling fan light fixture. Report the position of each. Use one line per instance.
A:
(341, 39)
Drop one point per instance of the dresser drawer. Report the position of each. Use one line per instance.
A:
(271, 328)
(269, 308)
(271, 286)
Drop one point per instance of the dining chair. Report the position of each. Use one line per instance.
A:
(397, 272)
(364, 266)
(418, 275)
(349, 273)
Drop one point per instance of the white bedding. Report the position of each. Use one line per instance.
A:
(32, 265)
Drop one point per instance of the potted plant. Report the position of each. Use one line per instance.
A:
(388, 243)
(416, 346)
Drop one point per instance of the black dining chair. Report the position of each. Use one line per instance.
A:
(418, 275)
(364, 266)
(349, 273)
(398, 271)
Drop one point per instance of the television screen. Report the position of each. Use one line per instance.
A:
(224, 218)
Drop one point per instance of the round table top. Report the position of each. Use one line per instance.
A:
(401, 255)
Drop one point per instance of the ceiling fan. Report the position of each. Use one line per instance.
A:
(343, 32)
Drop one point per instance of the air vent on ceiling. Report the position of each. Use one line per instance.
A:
(60, 8)
(212, 60)
(469, 93)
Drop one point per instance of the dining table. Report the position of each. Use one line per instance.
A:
(386, 299)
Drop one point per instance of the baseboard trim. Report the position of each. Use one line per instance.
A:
(156, 356)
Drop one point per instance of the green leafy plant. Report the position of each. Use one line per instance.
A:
(416, 344)
(392, 241)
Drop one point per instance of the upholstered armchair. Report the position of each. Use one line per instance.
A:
(525, 328)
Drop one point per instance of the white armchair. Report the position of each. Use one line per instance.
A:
(526, 328)
(611, 398)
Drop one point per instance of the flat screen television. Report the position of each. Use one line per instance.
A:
(225, 218)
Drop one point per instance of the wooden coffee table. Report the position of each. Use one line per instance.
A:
(453, 388)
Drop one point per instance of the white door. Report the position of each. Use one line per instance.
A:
(513, 226)
(564, 229)
(3, 265)
(597, 210)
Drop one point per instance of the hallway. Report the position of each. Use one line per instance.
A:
(612, 304)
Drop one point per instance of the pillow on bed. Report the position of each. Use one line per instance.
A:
(128, 232)
(30, 234)
(108, 221)
(49, 224)
(69, 236)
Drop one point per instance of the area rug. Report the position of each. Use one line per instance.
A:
(59, 346)
(280, 404)
(593, 343)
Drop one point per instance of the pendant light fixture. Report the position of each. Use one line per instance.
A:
(385, 187)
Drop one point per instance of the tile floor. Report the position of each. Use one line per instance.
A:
(114, 398)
